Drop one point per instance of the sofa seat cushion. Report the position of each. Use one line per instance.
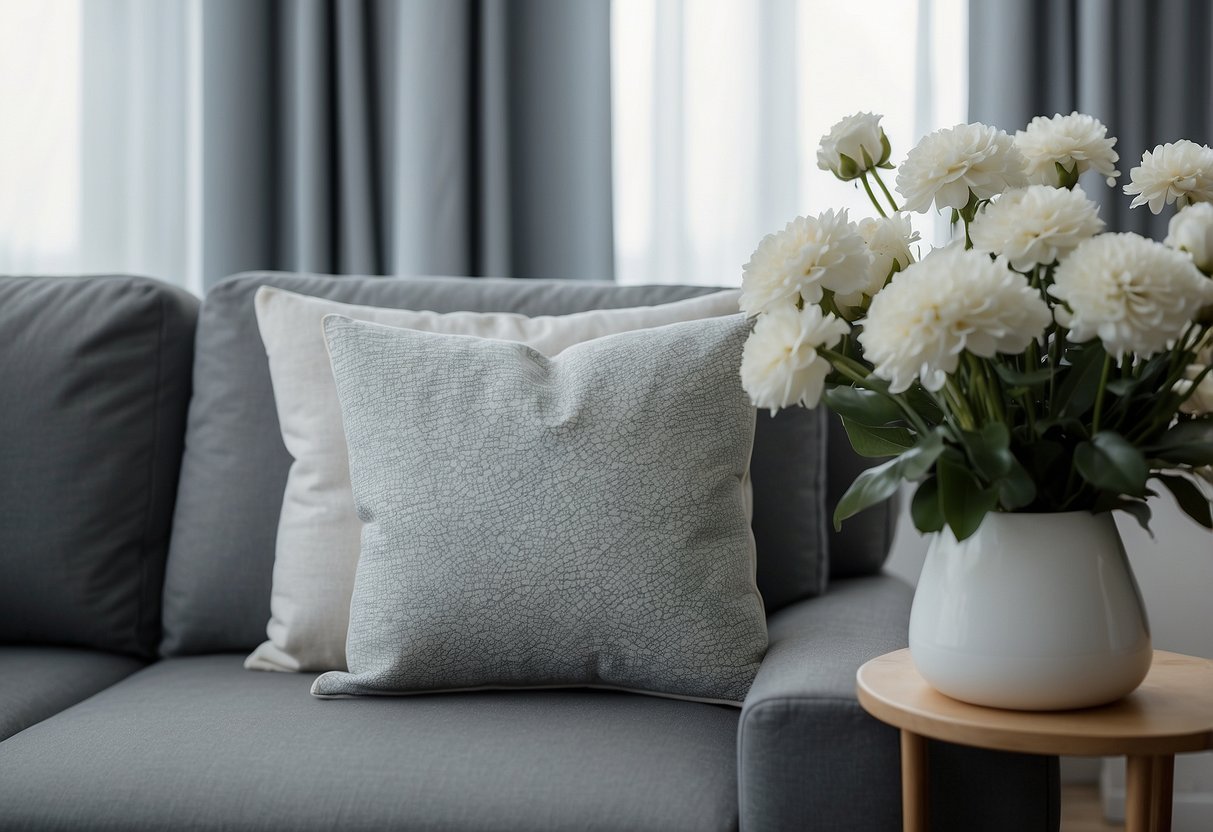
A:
(200, 743)
(42, 681)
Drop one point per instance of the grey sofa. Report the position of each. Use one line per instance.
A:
(137, 520)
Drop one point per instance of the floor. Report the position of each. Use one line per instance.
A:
(1081, 811)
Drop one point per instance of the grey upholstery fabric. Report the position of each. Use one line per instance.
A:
(1143, 67)
(94, 385)
(217, 587)
(862, 545)
(577, 520)
(42, 681)
(810, 757)
(200, 743)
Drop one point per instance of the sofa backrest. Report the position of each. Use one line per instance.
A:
(94, 385)
(217, 586)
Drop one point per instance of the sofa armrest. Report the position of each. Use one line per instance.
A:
(810, 757)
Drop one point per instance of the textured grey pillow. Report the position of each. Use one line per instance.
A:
(536, 522)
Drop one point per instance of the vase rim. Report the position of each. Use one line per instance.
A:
(1047, 513)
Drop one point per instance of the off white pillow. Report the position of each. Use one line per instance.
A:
(319, 532)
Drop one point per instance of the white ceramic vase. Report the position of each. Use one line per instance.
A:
(1033, 612)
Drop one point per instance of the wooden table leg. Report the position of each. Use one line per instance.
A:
(1161, 785)
(914, 809)
(1139, 782)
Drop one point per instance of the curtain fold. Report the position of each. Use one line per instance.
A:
(1142, 67)
(374, 136)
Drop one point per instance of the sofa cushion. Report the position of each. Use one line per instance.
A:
(319, 533)
(217, 587)
(41, 681)
(546, 522)
(95, 376)
(199, 743)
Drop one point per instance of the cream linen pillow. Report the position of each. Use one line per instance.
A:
(319, 533)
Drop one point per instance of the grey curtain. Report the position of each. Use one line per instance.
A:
(463, 137)
(1143, 67)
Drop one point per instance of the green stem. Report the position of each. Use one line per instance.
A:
(959, 406)
(1099, 395)
(888, 196)
(863, 177)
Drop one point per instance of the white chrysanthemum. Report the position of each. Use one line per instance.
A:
(889, 240)
(780, 365)
(1035, 225)
(1200, 394)
(808, 255)
(851, 137)
(1134, 294)
(1077, 142)
(949, 164)
(1191, 230)
(1180, 172)
(951, 301)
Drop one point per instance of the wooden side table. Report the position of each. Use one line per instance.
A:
(1171, 713)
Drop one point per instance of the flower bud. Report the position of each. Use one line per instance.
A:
(853, 146)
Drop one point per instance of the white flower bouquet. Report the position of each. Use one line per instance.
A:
(1035, 364)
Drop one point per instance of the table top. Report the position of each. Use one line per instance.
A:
(1171, 713)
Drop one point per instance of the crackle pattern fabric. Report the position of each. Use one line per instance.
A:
(533, 521)
(316, 552)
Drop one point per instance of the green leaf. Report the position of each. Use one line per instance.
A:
(1188, 443)
(991, 450)
(963, 501)
(878, 442)
(1077, 393)
(925, 406)
(1189, 498)
(1146, 376)
(1110, 463)
(878, 484)
(1023, 378)
(925, 509)
(886, 149)
(1071, 427)
(1016, 489)
(866, 407)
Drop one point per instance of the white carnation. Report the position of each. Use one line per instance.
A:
(809, 255)
(1077, 142)
(951, 301)
(1134, 294)
(780, 365)
(852, 137)
(1200, 394)
(888, 239)
(1180, 172)
(1035, 225)
(948, 165)
(1191, 230)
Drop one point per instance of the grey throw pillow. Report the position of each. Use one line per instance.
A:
(541, 522)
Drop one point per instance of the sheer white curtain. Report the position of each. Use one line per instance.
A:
(718, 106)
(97, 150)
